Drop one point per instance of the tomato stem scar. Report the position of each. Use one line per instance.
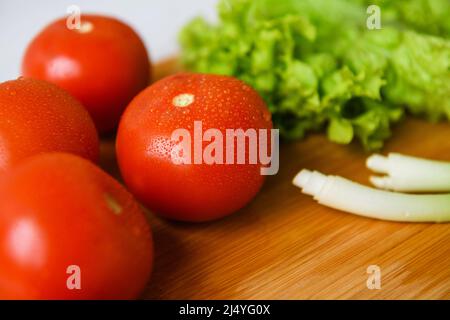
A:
(85, 27)
(113, 204)
(183, 100)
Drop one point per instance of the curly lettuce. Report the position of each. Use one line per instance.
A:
(318, 66)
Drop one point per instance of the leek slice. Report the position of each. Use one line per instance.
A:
(409, 174)
(345, 195)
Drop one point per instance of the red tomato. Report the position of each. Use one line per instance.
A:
(104, 64)
(189, 192)
(37, 116)
(59, 212)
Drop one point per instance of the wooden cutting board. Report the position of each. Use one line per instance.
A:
(285, 246)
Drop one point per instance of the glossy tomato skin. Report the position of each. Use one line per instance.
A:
(104, 64)
(189, 192)
(37, 116)
(59, 210)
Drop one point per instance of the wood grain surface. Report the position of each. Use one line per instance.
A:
(285, 246)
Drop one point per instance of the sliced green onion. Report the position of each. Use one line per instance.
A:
(409, 174)
(345, 195)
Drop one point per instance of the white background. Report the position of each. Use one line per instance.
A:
(157, 22)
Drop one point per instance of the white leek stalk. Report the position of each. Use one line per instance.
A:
(345, 195)
(409, 174)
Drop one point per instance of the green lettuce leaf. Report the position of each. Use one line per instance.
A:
(318, 66)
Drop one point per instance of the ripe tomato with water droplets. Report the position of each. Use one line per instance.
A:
(36, 117)
(102, 62)
(189, 192)
(70, 231)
